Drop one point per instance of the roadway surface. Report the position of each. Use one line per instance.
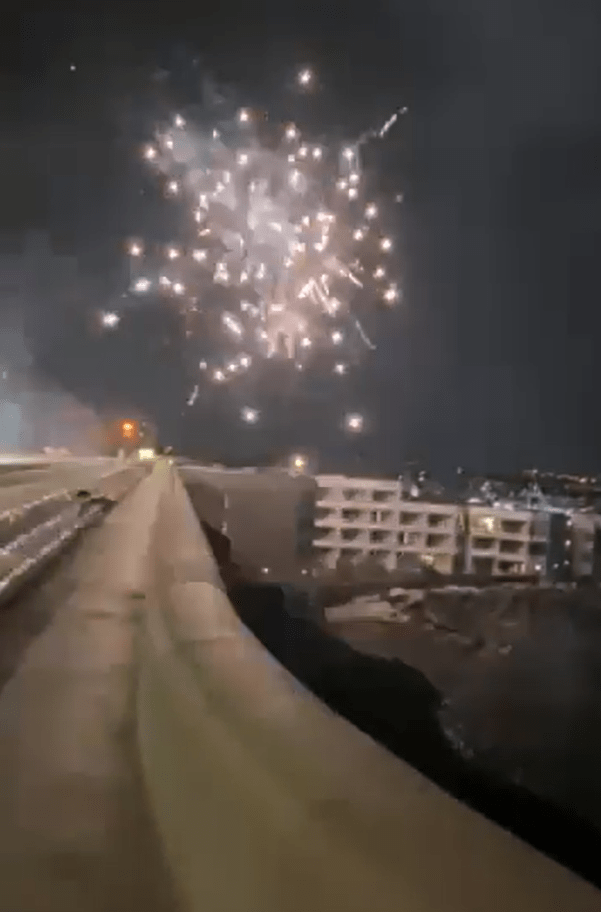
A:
(75, 831)
(23, 481)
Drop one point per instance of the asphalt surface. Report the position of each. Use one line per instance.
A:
(76, 834)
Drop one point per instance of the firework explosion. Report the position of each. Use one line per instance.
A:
(280, 252)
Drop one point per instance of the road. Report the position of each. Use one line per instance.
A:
(23, 481)
(75, 831)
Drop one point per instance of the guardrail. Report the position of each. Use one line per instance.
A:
(34, 532)
(268, 802)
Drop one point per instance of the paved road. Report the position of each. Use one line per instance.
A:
(22, 483)
(75, 832)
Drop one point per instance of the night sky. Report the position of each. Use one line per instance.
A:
(490, 362)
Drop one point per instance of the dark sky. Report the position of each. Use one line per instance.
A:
(491, 361)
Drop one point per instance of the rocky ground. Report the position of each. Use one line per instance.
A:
(520, 670)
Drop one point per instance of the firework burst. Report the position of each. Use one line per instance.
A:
(281, 254)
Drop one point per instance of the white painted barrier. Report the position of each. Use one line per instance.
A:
(268, 802)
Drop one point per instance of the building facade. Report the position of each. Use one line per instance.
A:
(359, 519)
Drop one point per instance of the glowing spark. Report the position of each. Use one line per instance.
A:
(178, 288)
(291, 132)
(244, 115)
(141, 285)
(317, 153)
(386, 244)
(218, 376)
(110, 320)
(193, 396)
(203, 365)
(250, 415)
(337, 337)
(371, 211)
(379, 273)
(340, 369)
(232, 324)
(199, 255)
(135, 249)
(353, 193)
(391, 294)
(173, 188)
(173, 253)
(354, 423)
(348, 153)
(179, 122)
(150, 153)
(305, 77)
(242, 158)
(358, 234)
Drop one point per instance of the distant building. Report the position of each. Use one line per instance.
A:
(360, 518)
(390, 522)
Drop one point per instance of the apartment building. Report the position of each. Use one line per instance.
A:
(502, 540)
(361, 518)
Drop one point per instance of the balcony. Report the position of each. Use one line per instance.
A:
(440, 542)
(512, 547)
(514, 527)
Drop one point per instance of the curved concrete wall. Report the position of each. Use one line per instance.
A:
(268, 802)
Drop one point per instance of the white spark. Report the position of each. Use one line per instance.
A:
(110, 319)
(354, 422)
(250, 415)
(305, 77)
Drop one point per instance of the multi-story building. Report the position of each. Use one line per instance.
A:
(359, 518)
(383, 519)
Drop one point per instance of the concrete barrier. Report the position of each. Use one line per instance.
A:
(268, 802)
